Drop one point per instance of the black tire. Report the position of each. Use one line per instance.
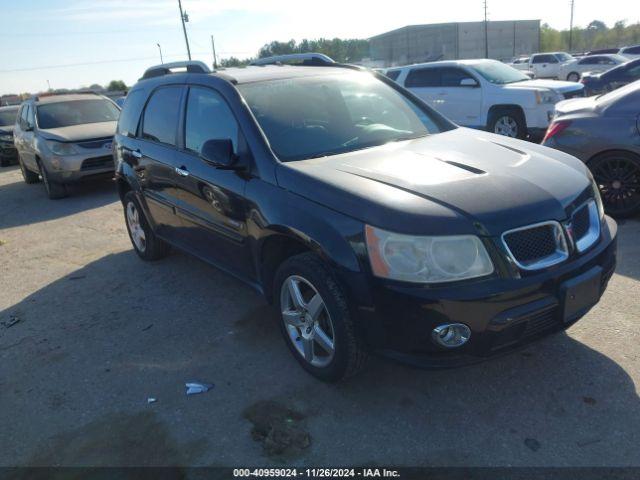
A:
(28, 175)
(350, 354)
(154, 248)
(55, 190)
(573, 77)
(618, 177)
(511, 113)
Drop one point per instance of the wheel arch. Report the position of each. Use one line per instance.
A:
(612, 150)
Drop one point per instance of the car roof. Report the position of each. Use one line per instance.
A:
(252, 74)
(448, 63)
(67, 97)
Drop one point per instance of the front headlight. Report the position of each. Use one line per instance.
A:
(546, 96)
(597, 197)
(6, 138)
(421, 259)
(59, 148)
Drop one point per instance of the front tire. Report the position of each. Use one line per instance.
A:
(54, 189)
(508, 122)
(145, 242)
(618, 177)
(28, 176)
(316, 322)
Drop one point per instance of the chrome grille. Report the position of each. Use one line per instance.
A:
(585, 225)
(536, 246)
(97, 163)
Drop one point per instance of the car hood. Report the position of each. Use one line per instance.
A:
(77, 133)
(557, 85)
(461, 181)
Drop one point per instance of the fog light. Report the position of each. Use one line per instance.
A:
(451, 335)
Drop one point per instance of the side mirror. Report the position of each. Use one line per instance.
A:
(219, 153)
(468, 82)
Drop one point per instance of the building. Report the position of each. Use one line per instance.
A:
(451, 41)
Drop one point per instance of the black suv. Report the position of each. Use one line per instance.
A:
(370, 221)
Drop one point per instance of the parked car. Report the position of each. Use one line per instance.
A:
(520, 63)
(8, 153)
(603, 51)
(547, 65)
(611, 79)
(574, 69)
(604, 132)
(486, 94)
(368, 219)
(65, 139)
(631, 52)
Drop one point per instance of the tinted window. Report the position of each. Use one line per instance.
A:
(545, 59)
(128, 123)
(393, 75)
(31, 122)
(23, 116)
(208, 117)
(633, 73)
(632, 50)
(588, 60)
(76, 112)
(497, 72)
(160, 123)
(8, 117)
(451, 77)
(308, 117)
(423, 77)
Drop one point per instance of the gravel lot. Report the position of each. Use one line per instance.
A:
(99, 332)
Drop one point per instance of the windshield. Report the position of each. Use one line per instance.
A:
(499, 73)
(563, 57)
(613, 96)
(8, 117)
(76, 112)
(308, 117)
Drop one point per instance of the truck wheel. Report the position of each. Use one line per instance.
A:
(618, 177)
(146, 244)
(54, 190)
(316, 322)
(27, 175)
(573, 77)
(509, 122)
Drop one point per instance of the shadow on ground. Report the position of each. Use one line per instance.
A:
(92, 346)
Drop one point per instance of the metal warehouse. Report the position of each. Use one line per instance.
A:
(448, 41)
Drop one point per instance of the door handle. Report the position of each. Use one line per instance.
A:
(136, 154)
(182, 171)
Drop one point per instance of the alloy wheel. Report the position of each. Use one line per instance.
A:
(506, 126)
(137, 232)
(619, 182)
(307, 321)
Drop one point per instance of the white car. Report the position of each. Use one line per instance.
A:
(520, 63)
(547, 65)
(574, 69)
(486, 94)
(631, 53)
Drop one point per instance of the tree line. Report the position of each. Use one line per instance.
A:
(594, 36)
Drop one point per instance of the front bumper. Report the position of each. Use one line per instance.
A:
(502, 313)
(74, 168)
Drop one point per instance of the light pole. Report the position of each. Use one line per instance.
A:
(486, 32)
(571, 28)
(184, 18)
(213, 48)
(160, 48)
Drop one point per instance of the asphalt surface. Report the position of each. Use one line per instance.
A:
(99, 331)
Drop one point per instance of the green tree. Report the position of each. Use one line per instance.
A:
(115, 85)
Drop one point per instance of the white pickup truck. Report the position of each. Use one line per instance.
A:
(486, 94)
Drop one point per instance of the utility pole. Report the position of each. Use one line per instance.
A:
(213, 48)
(571, 27)
(486, 32)
(49, 85)
(184, 18)
(160, 48)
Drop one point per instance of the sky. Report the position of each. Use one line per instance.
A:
(74, 43)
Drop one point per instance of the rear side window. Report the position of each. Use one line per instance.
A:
(633, 50)
(545, 59)
(208, 117)
(128, 123)
(589, 61)
(451, 77)
(393, 75)
(160, 122)
(423, 77)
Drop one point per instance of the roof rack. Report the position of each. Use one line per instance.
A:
(38, 96)
(191, 66)
(303, 58)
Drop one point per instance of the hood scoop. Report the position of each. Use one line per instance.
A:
(463, 166)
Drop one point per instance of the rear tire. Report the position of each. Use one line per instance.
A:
(509, 122)
(28, 175)
(318, 329)
(618, 177)
(573, 77)
(145, 242)
(54, 189)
